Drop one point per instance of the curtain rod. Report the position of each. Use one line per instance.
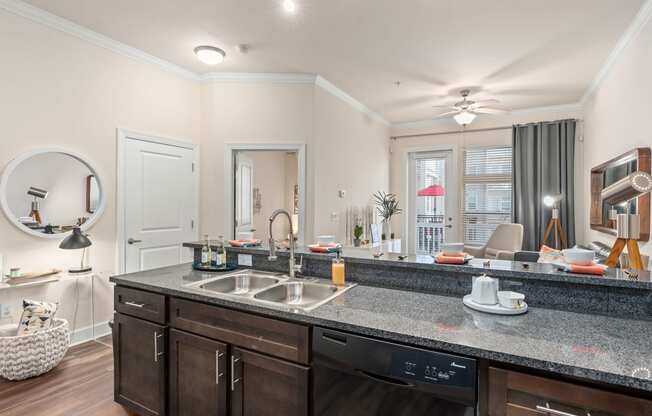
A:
(405, 136)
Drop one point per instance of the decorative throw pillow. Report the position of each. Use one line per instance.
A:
(37, 316)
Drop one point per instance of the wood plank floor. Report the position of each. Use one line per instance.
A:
(81, 385)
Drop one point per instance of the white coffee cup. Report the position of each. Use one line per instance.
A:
(511, 300)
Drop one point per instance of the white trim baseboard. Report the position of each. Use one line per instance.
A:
(642, 18)
(85, 334)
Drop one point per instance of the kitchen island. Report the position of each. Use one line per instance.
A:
(598, 351)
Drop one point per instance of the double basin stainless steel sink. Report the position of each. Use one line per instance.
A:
(272, 289)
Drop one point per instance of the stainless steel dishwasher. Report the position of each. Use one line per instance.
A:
(360, 376)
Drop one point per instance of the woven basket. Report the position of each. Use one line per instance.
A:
(31, 355)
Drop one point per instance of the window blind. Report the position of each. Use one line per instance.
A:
(487, 192)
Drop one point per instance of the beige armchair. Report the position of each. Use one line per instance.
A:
(503, 243)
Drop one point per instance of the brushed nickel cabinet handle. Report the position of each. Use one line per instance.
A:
(156, 352)
(218, 355)
(233, 379)
(547, 409)
(135, 304)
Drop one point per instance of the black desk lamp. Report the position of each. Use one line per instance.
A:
(75, 241)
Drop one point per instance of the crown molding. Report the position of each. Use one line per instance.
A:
(447, 120)
(48, 19)
(338, 93)
(632, 32)
(255, 77)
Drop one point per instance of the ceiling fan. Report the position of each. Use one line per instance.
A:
(465, 111)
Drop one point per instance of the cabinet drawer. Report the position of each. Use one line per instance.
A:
(141, 304)
(513, 393)
(270, 336)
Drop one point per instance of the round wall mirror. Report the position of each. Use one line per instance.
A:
(47, 192)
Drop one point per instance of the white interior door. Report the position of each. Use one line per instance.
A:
(160, 204)
(244, 188)
(433, 220)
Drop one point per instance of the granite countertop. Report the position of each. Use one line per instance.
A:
(498, 268)
(592, 347)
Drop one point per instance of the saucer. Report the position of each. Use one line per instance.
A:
(496, 309)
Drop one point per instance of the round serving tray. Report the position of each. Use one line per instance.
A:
(496, 309)
(215, 269)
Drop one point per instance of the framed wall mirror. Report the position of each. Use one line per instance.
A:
(603, 213)
(47, 192)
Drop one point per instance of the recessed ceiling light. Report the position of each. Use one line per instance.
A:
(210, 55)
(290, 6)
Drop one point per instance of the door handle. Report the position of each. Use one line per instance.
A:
(449, 226)
(233, 379)
(156, 352)
(550, 411)
(218, 355)
(133, 241)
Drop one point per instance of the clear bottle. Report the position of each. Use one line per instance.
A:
(338, 270)
(206, 252)
(221, 251)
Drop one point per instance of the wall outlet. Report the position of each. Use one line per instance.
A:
(245, 260)
(5, 311)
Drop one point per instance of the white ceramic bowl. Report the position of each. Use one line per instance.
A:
(578, 256)
(452, 248)
(325, 240)
(245, 235)
(509, 299)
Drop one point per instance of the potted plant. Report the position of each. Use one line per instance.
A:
(357, 233)
(387, 207)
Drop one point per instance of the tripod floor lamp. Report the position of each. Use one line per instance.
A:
(554, 225)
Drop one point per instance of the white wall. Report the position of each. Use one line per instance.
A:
(58, 90)
(345, 148)
(248, 113)
(351, 153)
(615, 114)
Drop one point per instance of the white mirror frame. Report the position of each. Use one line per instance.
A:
(16, 161)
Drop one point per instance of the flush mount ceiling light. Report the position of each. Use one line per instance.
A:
(289, 6)
(210, 55)
(465, 117)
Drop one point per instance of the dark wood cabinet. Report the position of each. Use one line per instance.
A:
(266, 386)
(513, 393)
(198, 375)
(140, 365)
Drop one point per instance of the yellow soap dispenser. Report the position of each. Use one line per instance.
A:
(337, 270)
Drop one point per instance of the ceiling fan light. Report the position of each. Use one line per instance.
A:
(464, 117)
(210, 55)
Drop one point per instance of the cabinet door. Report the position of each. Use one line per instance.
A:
(513, 393)
(139, 353)
(265, 386)
(198, 375)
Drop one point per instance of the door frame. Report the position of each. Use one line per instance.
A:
(229, 180)
(406, 235)
(122, 135)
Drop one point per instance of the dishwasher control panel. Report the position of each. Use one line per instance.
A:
(433, 367)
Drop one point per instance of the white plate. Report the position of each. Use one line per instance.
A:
(496, 309)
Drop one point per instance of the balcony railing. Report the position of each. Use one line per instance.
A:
(430, 233)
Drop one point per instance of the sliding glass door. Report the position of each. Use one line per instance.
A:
(433, 200)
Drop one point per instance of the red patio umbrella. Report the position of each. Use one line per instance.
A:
(432, 190)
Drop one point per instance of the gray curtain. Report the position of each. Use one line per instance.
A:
(544, 155)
